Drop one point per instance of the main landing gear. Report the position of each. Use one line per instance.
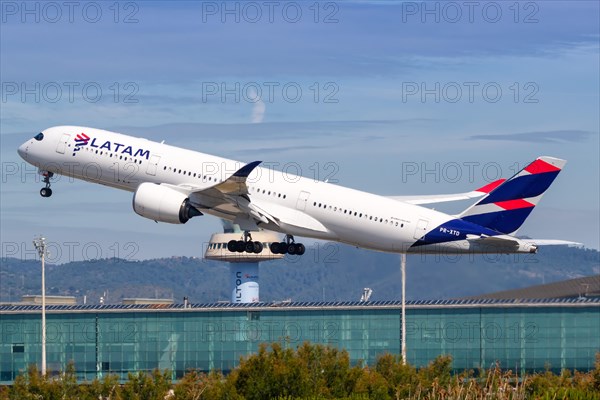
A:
(46, 191)
(246, 245)
(288, 246)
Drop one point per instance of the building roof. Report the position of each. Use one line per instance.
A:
(320, 305)
(588, 286)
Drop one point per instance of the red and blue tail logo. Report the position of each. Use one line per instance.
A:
(507, 206)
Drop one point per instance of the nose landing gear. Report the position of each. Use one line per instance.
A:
(46, 191)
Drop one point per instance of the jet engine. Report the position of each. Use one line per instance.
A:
(161, 203)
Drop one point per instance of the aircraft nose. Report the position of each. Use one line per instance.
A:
(22, 150)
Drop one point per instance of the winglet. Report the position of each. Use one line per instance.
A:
(236, 183)
(246, 169)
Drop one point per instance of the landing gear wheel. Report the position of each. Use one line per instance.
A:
(232, 246)
(283, 248)
(240, 246)
(46, 191)
(291, 248)
(258, 247)
(249, 247)
(274, 247)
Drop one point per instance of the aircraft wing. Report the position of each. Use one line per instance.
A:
(231, 197)
(440, 198)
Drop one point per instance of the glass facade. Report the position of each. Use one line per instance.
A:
(121, 339)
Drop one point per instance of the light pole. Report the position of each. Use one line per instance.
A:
(40, 246)
(403, 268)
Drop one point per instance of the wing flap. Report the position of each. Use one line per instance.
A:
(288, 216)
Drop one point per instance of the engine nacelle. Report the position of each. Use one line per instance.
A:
(161, 203)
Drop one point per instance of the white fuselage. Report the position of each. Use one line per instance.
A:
(349, 216)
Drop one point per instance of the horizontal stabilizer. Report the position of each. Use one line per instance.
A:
(553, 242)
(441, 198)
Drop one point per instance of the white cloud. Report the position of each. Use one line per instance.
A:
(259, 108)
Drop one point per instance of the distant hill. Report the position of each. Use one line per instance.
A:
(328, 271)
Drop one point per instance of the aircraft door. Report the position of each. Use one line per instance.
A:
(153, 164)
(421, 229)
(302, 200)
(62, 143)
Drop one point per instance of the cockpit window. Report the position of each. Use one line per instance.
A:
(39, 136)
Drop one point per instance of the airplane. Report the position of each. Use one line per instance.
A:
(172, 185)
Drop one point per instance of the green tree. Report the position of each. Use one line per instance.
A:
(144, 386)
(437, 374)
(213, 386)
(109, 388)
(401, 378)
(372, 385)
(311, 370)
(596, 373)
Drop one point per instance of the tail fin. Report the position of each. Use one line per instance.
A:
(507, 206)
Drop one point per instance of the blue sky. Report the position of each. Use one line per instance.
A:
(388, 97)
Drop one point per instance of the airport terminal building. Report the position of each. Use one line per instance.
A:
(117, 339)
